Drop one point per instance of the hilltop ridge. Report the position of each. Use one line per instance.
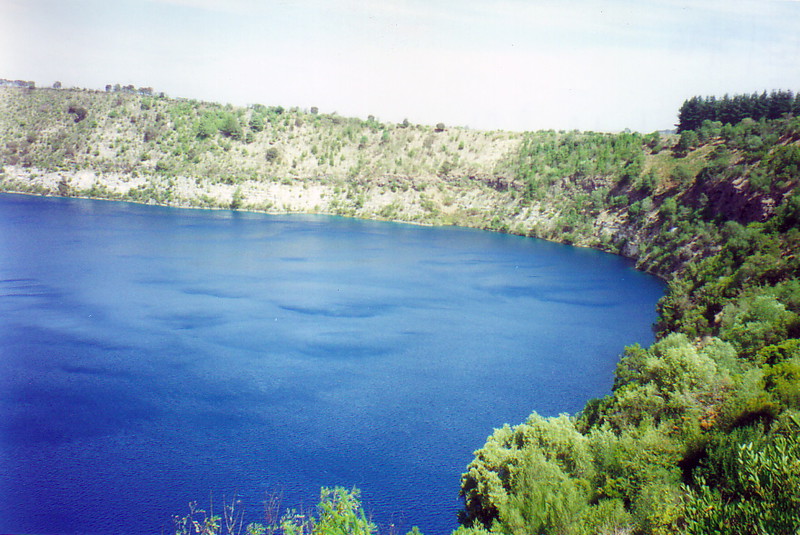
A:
(608, 191)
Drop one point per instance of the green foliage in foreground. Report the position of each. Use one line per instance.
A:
(755, 485)
(339, 513)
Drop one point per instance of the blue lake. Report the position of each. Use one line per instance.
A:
(153, 356)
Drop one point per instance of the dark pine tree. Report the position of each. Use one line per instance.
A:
(780, 103)
(690, 115)
(732, 110)
(760, 105)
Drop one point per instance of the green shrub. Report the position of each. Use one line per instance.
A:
(756, 322)
(760, 492)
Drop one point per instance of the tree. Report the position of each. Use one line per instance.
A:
(257, 123)
(760, 105)
(543, 452)
(206, 126)
(784, 162)
(341, 513)
(780, 103)
(709, 130)
(230, 126)
(237, 199)
(64, 188)
(689, 115)
(732, 110)
(546, 500)
(687, 141)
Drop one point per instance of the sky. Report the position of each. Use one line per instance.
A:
(602, 65)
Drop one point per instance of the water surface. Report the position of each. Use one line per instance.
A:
(152, 356)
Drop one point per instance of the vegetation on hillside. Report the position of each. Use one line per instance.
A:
(731, 110)
(136, 147)
(700, 433)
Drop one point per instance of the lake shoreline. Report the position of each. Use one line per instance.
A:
(47, 184)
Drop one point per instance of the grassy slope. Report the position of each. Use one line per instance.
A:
(564, 186)
(148, 149)
(679, 211)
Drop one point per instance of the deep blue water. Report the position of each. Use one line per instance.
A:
(152, 356)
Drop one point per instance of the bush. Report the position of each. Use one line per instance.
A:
(230, 127)
(207, 126)
(79, 111)
(257, 123)
(681, 175)
(340, 513)
(543, 498)
(784, 162)
(272, 155)
(760, 494)
(510, 463)
(756, 322)
(687, 141)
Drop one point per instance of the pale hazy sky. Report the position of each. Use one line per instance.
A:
(508, 64)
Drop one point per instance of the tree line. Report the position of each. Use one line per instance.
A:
(731, 110)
